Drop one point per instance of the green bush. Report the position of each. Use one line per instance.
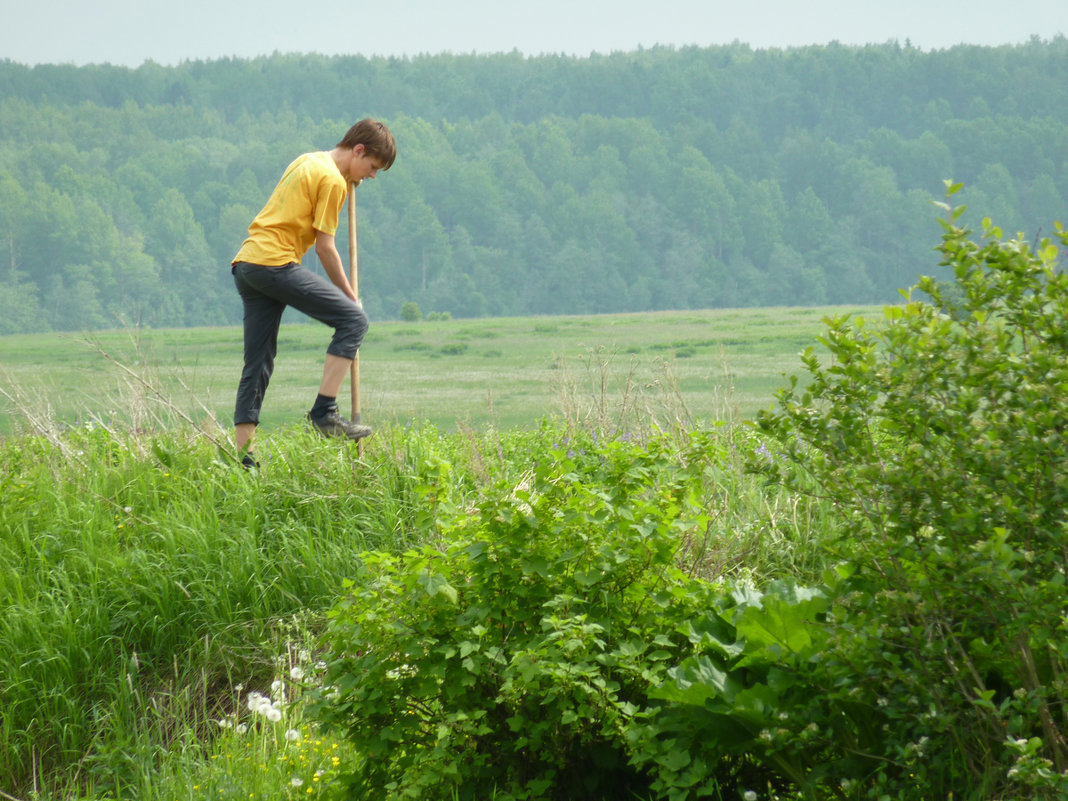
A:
(410, 312)
(940, 437)
(514, 661)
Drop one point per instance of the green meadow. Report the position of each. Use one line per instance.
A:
(711, 365)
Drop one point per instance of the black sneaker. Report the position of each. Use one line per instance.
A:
(248, 461)
(332, 424)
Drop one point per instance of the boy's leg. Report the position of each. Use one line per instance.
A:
(334, 372)
(262, 316)
(321, 300)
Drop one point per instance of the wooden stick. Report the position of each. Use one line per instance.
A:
(354, 279)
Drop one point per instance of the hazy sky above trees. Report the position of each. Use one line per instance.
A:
(130, 32)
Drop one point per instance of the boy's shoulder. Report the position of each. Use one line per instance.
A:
(315, 169)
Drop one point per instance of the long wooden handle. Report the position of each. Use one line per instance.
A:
(354, 279)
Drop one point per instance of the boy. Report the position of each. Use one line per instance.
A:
(303, 211)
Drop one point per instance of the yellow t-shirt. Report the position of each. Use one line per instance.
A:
(308, 198)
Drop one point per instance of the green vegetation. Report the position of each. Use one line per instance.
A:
(717, 177)
(859, 597)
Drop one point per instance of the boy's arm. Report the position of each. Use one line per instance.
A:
(326, 250)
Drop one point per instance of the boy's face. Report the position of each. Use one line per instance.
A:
(363, 165)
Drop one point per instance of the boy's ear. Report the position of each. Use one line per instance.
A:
(359, 150)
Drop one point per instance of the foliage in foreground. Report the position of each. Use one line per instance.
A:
(545, 651)
(143, 578)
(512, 660)
(940, 436)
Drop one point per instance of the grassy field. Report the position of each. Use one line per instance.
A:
(708, 365)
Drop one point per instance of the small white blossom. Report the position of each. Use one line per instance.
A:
(241, 728)
(296, 673)
(296, 781)
(292, 735)
(276, 686)
(273, 715)
(749, 795)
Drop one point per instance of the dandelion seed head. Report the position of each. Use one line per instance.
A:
(292, 735)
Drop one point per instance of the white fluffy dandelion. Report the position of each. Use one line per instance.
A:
(292, 735)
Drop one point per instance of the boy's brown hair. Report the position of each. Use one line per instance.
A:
(376, 139)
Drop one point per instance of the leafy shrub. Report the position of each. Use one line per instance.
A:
(410, 312)
(514, 661)
(742, 712)
(940, 436)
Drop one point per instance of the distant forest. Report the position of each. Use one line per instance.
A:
(663, 178)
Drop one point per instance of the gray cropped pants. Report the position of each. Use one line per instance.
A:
(265, 293)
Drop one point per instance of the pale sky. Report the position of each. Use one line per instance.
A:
(129, 32)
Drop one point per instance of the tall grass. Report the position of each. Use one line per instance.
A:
(149, 583)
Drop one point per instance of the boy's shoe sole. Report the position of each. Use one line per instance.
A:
(334, 425)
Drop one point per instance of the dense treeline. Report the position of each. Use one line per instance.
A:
(663, 178)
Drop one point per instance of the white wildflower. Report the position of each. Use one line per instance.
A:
(241, 728)
(296, 673)
(749, 795)
(296, 781)
(273, 715)
(292, 735)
